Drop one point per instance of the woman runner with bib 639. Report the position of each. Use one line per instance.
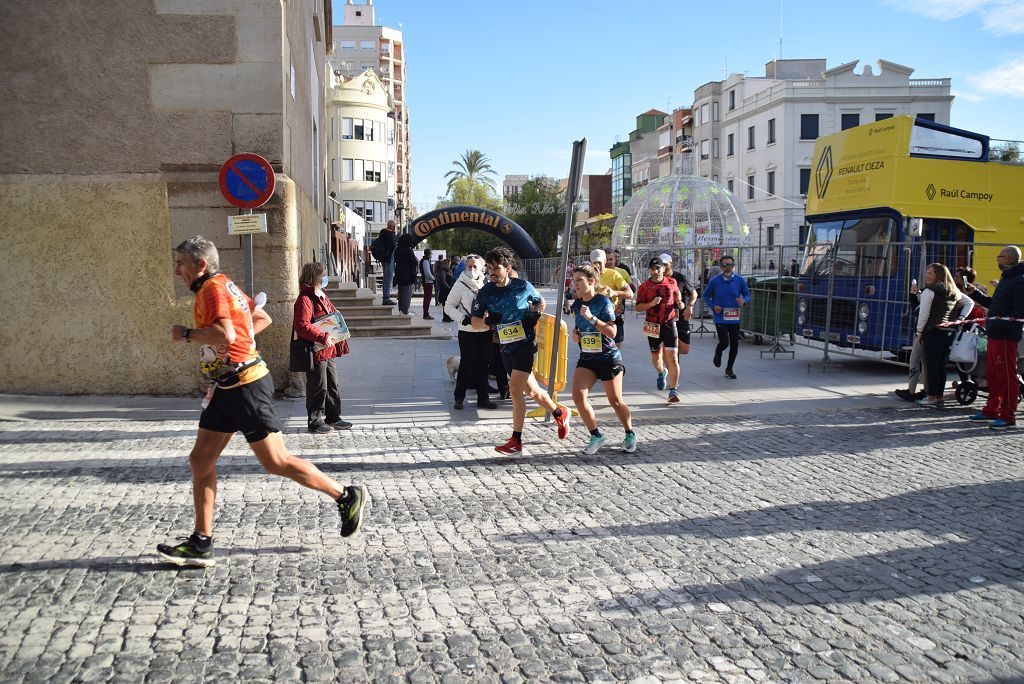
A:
(599, 359)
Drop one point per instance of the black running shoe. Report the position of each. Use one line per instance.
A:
(904, 394)
(188, 553)
(351, 509)
(718, 359)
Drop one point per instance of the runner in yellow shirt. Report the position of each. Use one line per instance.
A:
(618, 289)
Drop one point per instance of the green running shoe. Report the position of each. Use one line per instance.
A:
(595, 444)
(351, 510)
(629, 444)
(188, 553)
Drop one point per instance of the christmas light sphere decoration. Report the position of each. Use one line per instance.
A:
(679, 214)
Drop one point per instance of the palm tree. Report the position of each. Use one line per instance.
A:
(474, 167)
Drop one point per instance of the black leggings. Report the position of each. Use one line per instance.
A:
(728, 336)
(937, 344)
(475, 348)
(498, 368)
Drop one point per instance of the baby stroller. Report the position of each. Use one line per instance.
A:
(972, 380)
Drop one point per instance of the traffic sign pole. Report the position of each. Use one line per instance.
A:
(250, 288)
(247, 181)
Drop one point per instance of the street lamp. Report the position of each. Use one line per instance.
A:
(760, 222)
(400, 207)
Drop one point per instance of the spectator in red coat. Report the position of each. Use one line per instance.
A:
(323, 397)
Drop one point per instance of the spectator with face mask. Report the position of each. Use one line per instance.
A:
(474, 344)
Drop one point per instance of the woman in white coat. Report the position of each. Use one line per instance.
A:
(474, 345)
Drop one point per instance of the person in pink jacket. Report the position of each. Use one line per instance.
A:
(323, 396)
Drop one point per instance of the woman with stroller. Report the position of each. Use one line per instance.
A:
(939, 299)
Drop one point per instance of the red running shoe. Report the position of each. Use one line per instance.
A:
(510, 448)
(563, 423)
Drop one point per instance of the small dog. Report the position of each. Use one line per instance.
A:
(453, 366)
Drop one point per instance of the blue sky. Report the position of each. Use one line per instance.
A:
(520, 80)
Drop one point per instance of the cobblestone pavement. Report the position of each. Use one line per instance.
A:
(868, 545)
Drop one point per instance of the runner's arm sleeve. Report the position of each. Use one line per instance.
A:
(709, 294)
(745, 291)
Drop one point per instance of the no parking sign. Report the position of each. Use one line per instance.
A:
(247, 180)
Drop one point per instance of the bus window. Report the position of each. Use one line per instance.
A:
(852, 248)
(820, 238)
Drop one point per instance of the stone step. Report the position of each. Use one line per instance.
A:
(417, 331)
(366, 310)
(376, 321)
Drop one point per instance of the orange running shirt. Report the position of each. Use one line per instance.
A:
(219, 298)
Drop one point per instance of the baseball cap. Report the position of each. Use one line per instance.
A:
(666, 258)
(598, 255)
(655, 261)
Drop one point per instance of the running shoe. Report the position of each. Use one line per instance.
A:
(340, 425)
(188, 553)
(562, 422)
(927, 402)
(319, 428)
(351, 510)
(510, 448)
(981, 418)
(904, 394)
(718, 359)
(1000, 424)
(595, 444)
(662, 377)
(629, 443)
(729, 374)
(673, 396)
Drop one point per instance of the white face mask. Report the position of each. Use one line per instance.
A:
(473, 272)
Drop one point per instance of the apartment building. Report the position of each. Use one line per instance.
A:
(755, 135)
(361, 44)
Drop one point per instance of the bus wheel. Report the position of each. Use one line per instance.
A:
(967, 392)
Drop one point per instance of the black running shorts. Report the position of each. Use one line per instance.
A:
(683, 330)
(248, 409)
(605, 370)
(520, 359)
(667, 337)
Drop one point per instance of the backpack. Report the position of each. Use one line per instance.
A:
(378, 251)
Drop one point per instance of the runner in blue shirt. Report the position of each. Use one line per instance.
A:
(726, 294)
(512, 307)
(600, 359)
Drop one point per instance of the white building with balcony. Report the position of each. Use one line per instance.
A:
(755, 135)
(360, 147)
(360, 44)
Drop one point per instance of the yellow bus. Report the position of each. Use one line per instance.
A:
(885, 199)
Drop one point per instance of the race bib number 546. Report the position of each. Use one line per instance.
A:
(731, 314)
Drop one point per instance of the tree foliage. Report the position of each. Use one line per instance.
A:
(1007, 152)
(540, 210)
(474, 167)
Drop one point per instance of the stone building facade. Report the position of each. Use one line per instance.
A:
(117, 118)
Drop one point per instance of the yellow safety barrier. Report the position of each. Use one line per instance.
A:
(542, 359)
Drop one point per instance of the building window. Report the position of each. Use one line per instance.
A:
(750, 138)
(730, 146)
(346, 129)
(714, 148)
(771, 235)
(704, 114)
(291, 71)
(803, 231)
(703, 149)
(346, 45)
(750, 187)
(358, 166)
(927, 117)
(808, 126)
(334, 169)
(728, 184)
(714, 111)
(715, 178)
(346, 169)
(879, 116)
(771, 182)
(771, 131)
(732, 100)
(850, 121)
(805, 180)
(367, 45)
